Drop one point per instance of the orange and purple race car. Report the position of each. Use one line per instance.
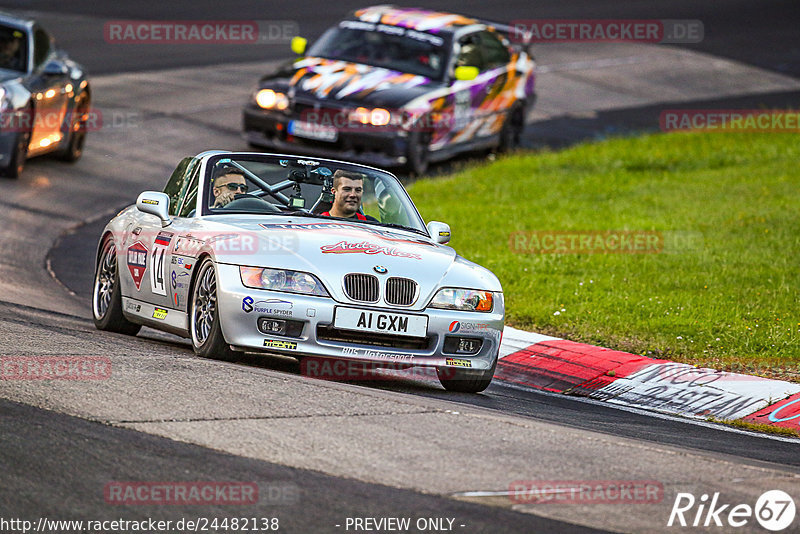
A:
(396, 87)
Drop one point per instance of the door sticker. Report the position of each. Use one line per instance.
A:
(137, 262)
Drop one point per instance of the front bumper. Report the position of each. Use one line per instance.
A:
(380, 148)
(241, 329)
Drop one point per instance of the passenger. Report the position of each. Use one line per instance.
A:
(348, 187)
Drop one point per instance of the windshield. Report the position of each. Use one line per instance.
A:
(13, 49)
(381, 45)
(278, 185)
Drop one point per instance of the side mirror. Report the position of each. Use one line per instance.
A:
(155, 203)
(466, 73)
(55, 68)
(299, 45)
(440, 232)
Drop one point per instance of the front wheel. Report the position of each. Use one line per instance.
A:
(18, 155)
(207, 338)
(106, 294)
(77, 131)
(511, 133)
(417, 152)
(464, 381)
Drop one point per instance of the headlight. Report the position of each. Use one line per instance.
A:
(5, 104)
(282, 280)
(269, 99)
(375, 117)
(463, 299)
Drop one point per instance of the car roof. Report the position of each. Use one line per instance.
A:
(414, 18)
(11, 20)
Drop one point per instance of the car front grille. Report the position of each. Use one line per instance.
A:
(305, 109)
(361, 287)
(400, 291)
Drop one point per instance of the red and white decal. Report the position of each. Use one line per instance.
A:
(365, 247)
(137, 262)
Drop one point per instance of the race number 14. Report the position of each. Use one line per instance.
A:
(160, 246)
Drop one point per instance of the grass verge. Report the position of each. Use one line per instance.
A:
(717, 287)
(757, 427)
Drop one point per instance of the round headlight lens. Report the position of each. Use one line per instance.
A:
(273, 279)
(266, 98)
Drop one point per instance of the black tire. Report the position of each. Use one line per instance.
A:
(77, 136)
(106, 294)
(204, 324)
(19, 153)
(463, 381)
(511, 133)
(417, 156)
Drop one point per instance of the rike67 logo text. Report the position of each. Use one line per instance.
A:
(774, 510)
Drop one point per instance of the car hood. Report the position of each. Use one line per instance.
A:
(342, 82)
(7, 74)
(332, 249)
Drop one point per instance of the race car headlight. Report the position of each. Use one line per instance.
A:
(463, 299)
(5, 103)
(375, 117)
(269, 99)
(282, 280)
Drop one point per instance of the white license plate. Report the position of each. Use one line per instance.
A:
(309, 130)
(381, 322)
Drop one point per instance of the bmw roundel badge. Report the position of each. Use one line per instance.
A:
(380, 269)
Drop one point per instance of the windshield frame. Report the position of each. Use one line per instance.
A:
(286, 186)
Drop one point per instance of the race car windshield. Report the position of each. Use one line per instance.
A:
(380, 45)
(274, 186)
(13, 49)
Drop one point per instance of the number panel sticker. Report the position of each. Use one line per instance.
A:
(157, 267)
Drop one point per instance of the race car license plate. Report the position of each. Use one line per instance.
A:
(381, 322)
(309, 130)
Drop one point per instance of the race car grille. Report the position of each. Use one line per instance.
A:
(361, 287)
(400, 291)
(329, 333)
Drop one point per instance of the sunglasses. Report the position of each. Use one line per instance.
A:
(234, 187)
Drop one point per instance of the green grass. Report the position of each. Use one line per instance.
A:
(757, 427)
(724, 290)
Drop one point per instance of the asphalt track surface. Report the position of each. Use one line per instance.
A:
(762, 33)
(53, 464)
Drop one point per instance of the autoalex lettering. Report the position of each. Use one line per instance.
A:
(365, 247)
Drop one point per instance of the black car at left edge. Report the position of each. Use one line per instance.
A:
(393, 86)
(44, 97)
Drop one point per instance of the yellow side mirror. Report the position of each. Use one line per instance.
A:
(466, 73)
(299, 45)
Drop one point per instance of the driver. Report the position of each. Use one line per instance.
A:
(348, 187)
(227, 185)
(9, 52)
